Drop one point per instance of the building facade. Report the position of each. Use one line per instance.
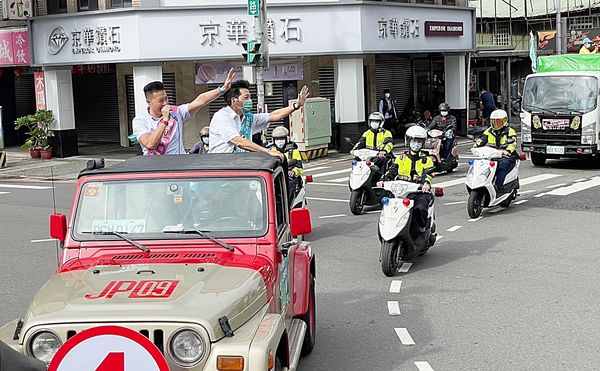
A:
(96, 62)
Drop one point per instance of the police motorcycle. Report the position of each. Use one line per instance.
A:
(480, 181)
(362, 181)
(394, 229)
(434, 145)
(300, 192)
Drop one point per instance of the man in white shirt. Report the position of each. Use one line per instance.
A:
(232, 127)
(160, 129)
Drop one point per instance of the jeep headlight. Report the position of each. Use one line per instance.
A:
(187, 347)
(44, 345)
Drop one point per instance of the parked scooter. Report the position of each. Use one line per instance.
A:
(397, 243)
(480, 181)
(362, 182)
(434, 145)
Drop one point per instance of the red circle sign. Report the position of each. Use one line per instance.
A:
(108, 348)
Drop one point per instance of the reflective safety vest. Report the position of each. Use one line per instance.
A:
(382, 142)
(497, 140)
(412, 165)
(292, 154)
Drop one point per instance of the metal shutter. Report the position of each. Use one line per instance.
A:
(327, 87)
(168, 82)
(96, 108)
(24, 95)
(396, 75)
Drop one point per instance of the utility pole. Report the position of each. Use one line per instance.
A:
(558, 27)
(258, 9)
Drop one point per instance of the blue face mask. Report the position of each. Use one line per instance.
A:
(247, 105)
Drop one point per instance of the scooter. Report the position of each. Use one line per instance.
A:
(397, 243)
(300, 194)
(434, 145)
(480, 181)
(362, 183)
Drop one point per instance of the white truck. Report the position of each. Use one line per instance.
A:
(560, 113)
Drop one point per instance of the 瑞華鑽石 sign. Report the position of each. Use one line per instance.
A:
(216, 73)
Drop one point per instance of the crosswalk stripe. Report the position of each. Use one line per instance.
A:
(537, 178)
(577, 187)
(317, 168)
(4, 193)
(338, 180)
(20, 186)
(326, 199)
(335, 172)
(449, 183)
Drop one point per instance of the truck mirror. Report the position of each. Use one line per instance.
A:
(300, 223)
(58, 227)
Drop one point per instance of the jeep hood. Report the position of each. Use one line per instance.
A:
(188, 293)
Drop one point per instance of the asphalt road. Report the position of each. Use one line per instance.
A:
(514, 290)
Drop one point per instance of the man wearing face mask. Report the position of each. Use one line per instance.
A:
(282, 145)
(445, 122)
(232, 127)
(387, 107)
(379, 139)
(202, 145)
(415, 166)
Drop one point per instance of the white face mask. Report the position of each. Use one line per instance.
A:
(374, 125)
(280, 143)
(416, 146)
(205, 140)
(387, 95)
(444, 113)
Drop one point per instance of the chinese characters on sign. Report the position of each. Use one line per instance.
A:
(237, 30)
(14, 47)
(215, 73)
(96, 40)
(398, 28)
(93, 69)
(40, 90)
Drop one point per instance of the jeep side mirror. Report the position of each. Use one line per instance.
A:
(58, 227)
(300, 223)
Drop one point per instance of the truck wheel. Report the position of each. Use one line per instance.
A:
(389, 257)
(475, 204)
(538, 159)
(310, 318)
(357, 202)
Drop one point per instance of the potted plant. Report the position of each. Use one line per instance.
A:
(46, 153)
(38, 129)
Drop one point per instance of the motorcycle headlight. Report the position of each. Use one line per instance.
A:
(187, 347)
(44, 345)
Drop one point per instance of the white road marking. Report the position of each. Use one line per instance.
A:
(423, 366)
(335, 172)
(580, 180)
(338, 180)
(404, 336)
(557, 185)
(526, 192)
(521, 202)
(577, 187)
(44, 240)
(438, 238)
(325, 199)
(497, 210)
(537, 178)
(373, 212)
(393, 308)
(21, 186)
(449, 183)
(395, 286)
(405, 267)
(476, 219)
(540, 195)
(332, 216)
(455, 203)
(454, 229)
(4, 193)
(316, 168)
(329, 184)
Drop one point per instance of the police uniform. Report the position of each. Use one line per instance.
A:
(499, 139)
(377, 140)
(291, 153)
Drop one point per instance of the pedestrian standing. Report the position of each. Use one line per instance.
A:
(489, 105)
(387, 107)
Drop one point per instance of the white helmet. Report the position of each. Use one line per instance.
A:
(280, 132)
(415, 132)
(498, 119)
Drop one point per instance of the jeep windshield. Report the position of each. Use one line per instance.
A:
(560, 94)
(148, 209)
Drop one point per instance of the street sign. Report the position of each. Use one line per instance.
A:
(108, 348)
(253, 7)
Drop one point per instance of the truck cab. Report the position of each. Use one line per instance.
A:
(190, 249)
(560, 113)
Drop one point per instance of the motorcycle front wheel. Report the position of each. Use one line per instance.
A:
(475, 204)
(357, 202)
(389, 257)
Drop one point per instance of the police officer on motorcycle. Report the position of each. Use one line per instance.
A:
(445, 122)
(416, 166)
(501, 136)
(282, 144)
(379, 139)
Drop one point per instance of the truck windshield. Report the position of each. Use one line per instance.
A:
(560, 93)
(151, 209)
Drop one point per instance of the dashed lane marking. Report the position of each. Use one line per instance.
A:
(454, 229)
(526, 192)
(328, 184)
(438, 238)
(449, 183)
(405, 267)
(537, 178)
(393, 308)
(404, 336)
(21, 186)
(476, 219)
(577, 187)
(521, 202)
(335, 172)
(540, 195)
(423, 366)
(326, 199)
(557, 185)
(338, 180)
(395, 286)
(4, 193)
(455, 203)
(580, 180)
(332, 216)
(317, 168)
(44, 240)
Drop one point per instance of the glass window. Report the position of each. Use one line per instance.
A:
(448, 2)
(87, 5)
(120, 3)
(225, 207)
(280, 202)
(575, 93)
(425, 1)
(56, 6)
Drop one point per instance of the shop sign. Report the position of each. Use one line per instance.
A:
(444, 28)
(14, 47)
(40, 90)
(17, 9)
(94, 69)
(237, 30)
(87, 40)
(576, 37)
(547, 40)
(398, 28)
(215, 73)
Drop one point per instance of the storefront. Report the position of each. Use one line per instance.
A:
(420, 57)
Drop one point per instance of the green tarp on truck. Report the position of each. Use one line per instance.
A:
(569, 62)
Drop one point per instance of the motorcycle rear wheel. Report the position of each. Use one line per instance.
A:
(389, 257)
